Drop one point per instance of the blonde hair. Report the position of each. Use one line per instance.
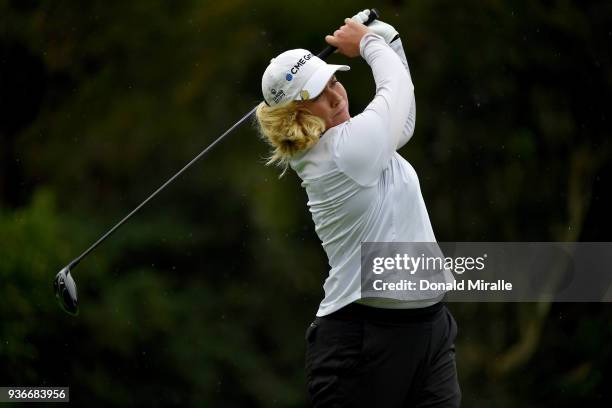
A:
(288, 129)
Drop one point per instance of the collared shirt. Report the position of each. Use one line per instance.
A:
(360, 189)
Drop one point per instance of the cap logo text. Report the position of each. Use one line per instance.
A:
(301, 62)
(278, 96)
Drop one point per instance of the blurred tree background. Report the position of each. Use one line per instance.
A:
(202, 299)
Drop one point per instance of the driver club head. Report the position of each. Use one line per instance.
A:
(66, 291)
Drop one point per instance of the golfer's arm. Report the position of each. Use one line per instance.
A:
(370, 139)
(393, 84)
(408, 129)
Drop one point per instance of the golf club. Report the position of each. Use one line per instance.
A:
(64, 285)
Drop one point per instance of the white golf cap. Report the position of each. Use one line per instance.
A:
(296, 75)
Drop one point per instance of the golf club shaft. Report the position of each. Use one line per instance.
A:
(323, 55)
(170, 180)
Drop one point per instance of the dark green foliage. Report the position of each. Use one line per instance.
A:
(203, 298)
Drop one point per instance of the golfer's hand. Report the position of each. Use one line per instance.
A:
(347, 38)
(381, 28)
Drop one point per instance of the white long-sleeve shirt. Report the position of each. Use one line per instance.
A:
(360, 189)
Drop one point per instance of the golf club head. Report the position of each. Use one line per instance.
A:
(66, 291)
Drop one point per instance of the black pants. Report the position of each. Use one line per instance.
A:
(362, 356)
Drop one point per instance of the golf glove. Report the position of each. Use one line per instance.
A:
(385, 30)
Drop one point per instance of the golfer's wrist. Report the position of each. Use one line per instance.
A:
(364, 41)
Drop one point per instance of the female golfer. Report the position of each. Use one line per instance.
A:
(361, 352)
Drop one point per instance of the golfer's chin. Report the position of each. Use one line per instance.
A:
(340, 118)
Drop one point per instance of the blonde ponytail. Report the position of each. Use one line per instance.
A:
(288, 129)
